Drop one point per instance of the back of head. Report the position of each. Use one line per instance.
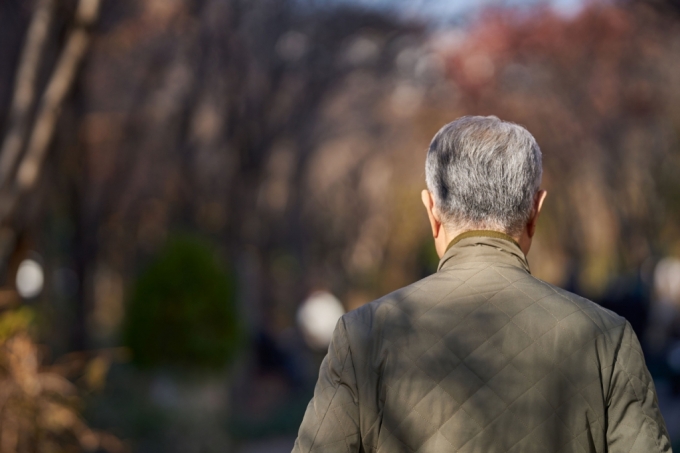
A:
(483, 174)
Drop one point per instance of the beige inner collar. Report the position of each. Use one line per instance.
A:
(482, 233)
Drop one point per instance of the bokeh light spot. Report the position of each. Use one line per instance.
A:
(30, 279)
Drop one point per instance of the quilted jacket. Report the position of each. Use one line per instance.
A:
(483, 357)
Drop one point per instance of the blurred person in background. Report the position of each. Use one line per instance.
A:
(482, 356)
(663, 330)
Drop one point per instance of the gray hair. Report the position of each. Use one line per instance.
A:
(483, 174)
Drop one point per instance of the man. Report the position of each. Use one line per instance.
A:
(482, 356)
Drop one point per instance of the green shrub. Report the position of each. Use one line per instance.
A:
(182, 311)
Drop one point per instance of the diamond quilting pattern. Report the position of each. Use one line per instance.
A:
(509, 384)
(402, 394)
(432, 364)
(437, 406)
(442, 318)
(484, 406)
(415, 429)
(461, 383)
(480, 357)
(460, 429)
(469, 335)
(531, 407)
(498, 337)
(534, 321)
(486, 361)
(510, 340)
(416, 342)
(511, 301)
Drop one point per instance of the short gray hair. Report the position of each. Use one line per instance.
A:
(483, 174)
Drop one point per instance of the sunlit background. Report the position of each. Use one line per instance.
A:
(192, 192)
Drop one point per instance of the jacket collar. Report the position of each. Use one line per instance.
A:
(483, 246)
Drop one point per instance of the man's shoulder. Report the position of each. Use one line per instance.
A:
(553, 302)
(566, 306)
(398, 303)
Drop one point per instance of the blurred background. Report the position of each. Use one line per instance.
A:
(193, 191)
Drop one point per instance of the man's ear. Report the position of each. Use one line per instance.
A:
(435, 223)
(539, 198)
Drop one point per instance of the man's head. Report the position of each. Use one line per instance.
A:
(483, 174)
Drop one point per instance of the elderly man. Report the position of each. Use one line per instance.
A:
(482, 356)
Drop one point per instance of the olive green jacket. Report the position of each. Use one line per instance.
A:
(483, 357)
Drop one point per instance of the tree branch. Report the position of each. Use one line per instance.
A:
(25, 88)
(59, 85)
(47, 115)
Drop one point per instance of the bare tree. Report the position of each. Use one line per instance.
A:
(30, 127)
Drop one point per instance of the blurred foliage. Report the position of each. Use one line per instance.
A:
(15, 321)
(182, 311)
(39, 407)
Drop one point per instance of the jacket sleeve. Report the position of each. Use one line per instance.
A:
(331, 422)
(634, 422)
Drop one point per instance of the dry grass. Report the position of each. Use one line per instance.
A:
(39, 407)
